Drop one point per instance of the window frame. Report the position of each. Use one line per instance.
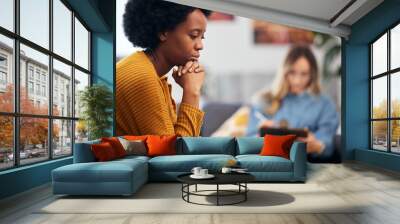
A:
(16, 115)
(388, 74)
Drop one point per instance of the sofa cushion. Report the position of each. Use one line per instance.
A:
(277, 145)
(249, 145)
(206, 145)
(161, 145)
(134, 147)
(257, 163)
(185, 163)
(111, 171)
(135, 137)
(116, 145)
(103, 152)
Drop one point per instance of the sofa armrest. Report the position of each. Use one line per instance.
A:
(298, 155)
(83, 152)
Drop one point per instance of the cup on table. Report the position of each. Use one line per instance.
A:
(196, 171)
(203, 172)
(226, 170)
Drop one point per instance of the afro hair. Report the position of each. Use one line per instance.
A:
(144, 20)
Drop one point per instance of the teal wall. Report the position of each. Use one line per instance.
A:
(355, 85)
(99, 15)
(24, 178)
(103, 62)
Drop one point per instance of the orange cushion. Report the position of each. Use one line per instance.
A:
(276, 145)
(135, 137)
(116, 145)
(161, 145)
(103, 151)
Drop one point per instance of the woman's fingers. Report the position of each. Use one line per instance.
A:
(195, 66)
(179, 70)
(190, 66)
(199, 69)
(187, 66)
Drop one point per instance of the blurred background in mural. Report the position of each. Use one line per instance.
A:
(242, 56)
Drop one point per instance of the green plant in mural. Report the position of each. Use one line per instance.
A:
(332, 48)
(96, 103)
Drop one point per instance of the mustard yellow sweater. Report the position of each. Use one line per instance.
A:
(144, 104)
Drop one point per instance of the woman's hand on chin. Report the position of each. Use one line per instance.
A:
(190, 77)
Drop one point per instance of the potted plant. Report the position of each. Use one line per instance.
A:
(96, 102)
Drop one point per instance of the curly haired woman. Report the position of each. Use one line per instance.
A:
(171, 35)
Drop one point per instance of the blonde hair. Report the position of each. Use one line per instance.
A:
(281, 86)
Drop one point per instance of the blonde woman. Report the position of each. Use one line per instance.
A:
(294, 101)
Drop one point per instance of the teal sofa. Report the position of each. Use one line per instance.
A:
(125, 176)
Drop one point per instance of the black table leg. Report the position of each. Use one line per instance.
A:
(188, 189)
(245, 193)
(217, 194)
(185, 188)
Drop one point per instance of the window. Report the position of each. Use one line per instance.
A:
(62, 74)
(38, 89)
(62, 31)
(34, 22)
(3, 78)
(3, 61)
(37, 74)
(43, 90)
(33, 149)
(41, 83)
(30, 87)
(30, 72)
(7, 14)
(81, 45)
(81, 81)
(6, 73)
(7, 142)
(385, 94)
(3, 72)
(62, 140)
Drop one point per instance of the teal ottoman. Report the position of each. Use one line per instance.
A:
(119, 177)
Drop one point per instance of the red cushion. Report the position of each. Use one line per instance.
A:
(116, 145)
(103, 151)
(161, 145)
(277, 145)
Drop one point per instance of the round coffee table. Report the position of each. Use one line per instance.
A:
(238, 179)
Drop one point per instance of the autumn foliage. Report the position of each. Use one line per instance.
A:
(380, 127)
(33, 131)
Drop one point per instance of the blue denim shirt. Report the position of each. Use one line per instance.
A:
(315, 112)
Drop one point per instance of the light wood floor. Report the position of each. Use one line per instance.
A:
(379, 189)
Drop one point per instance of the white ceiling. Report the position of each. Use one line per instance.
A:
(316, 15)
(321, 9)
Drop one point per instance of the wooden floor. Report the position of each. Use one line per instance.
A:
(378, 188)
